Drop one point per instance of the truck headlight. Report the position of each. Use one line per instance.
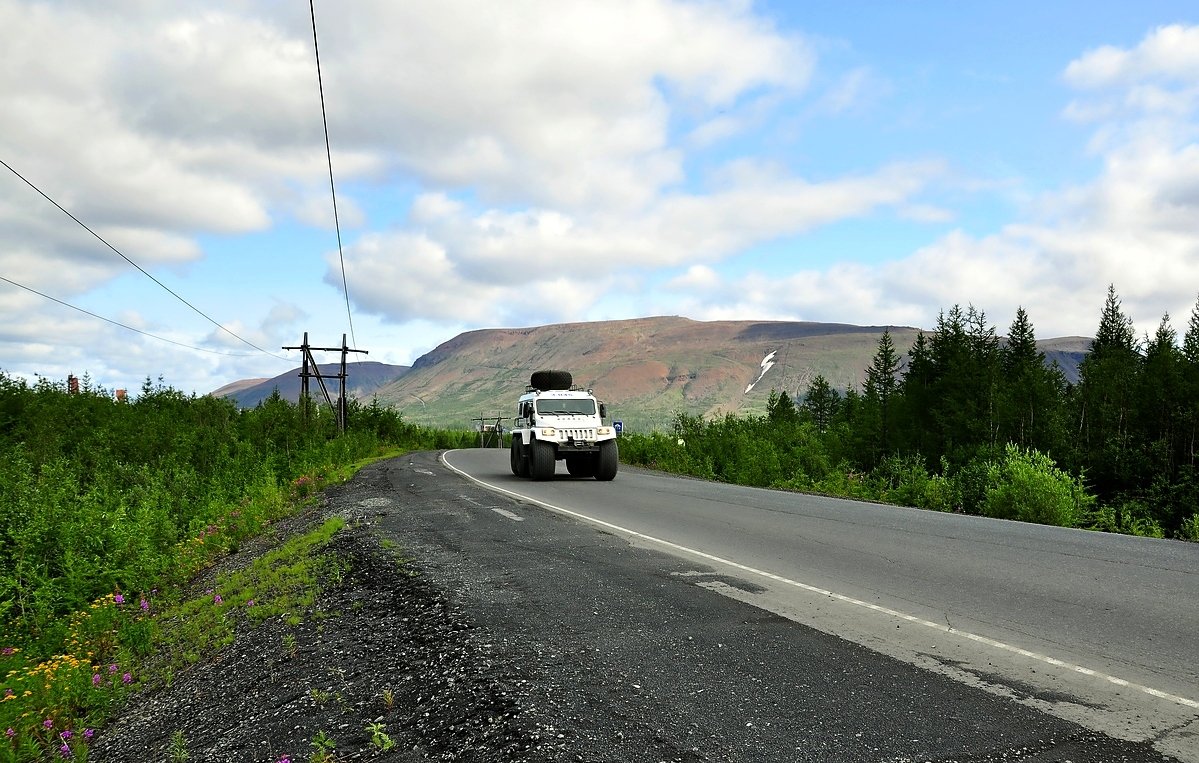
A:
(604, 430)
(549, 432)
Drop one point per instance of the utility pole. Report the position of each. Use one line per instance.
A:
(310, 368)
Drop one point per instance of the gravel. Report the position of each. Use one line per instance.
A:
(395, 654)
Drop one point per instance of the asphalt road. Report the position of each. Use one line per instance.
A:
(1084, 628)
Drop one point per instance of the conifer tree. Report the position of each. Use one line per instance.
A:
(1190, 381)
(918, 400)
(1106, 390)
(1032, 392)
(822, 403)
(881, 383)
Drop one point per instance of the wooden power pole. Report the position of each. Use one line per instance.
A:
(309, 368)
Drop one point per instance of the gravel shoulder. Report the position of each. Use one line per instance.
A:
(470, 627)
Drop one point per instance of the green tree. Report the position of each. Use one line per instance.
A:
(1105, 400)
(881, 384)
(1190, 389)
(822, 403)
(919, 402)
(780, 410)
(962, 394)
(1032, 393)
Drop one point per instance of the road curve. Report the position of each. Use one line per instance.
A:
(1095, 628)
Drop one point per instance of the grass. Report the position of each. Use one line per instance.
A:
(51, 707)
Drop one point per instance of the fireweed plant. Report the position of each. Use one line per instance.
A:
(108, 508)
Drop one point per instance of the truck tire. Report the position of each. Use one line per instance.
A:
(608, 461)
(581, 465)
(547, 380)
(520, 464)
(541, 460)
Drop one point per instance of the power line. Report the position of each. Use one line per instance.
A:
(122, 325)
(329, 156)
(134, 264)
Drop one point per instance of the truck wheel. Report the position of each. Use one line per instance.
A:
(520, 464)
(581, 465)
(541, 460)
(547, 380)
(608, 461)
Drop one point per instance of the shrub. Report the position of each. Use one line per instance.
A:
(1027, 485)
(1129, 516)
(1190, 528)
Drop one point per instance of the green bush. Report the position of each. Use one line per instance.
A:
(1028, 486)
(1190, 528)
(1126, 515)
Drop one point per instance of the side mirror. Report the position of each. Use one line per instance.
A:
(603, 411)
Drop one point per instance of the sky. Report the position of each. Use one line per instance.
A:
(525, 163)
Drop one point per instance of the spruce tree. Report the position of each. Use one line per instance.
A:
(1115, 335)
(1107, 385)
(1190, 381)
(881, 383)
(821, 403)
(1032, 393)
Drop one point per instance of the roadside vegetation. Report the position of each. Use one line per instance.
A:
(108, 509)
(964, 422)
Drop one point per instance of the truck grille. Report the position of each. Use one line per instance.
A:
(579, 434)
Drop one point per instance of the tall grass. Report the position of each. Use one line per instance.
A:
(106, 507)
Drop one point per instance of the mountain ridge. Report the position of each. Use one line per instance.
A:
(646, 369)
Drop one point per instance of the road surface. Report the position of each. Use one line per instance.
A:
(1099, 630)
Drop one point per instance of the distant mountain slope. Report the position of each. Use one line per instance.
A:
(1067, 352)
(363, 379)
(647, 369)
(233, 388)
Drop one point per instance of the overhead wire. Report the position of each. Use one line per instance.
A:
(329, 156)
(134, 264)
(122, 325)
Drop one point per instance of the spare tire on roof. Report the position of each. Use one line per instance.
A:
(544, 380)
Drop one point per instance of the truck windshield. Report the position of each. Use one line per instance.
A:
(585, 407)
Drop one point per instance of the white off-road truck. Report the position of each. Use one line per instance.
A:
(556, 421)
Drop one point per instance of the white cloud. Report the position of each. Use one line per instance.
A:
(1168, 52)
(540, 264)
(1135, 225)
(568, 109)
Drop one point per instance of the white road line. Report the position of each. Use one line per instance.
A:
(509, 515)
(1124, 683)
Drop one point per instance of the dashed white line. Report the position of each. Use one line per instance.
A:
(509, 515)
(993, 643)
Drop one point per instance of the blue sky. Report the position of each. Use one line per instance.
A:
(503, 165)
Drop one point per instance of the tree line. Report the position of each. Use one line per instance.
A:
(966, 421)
